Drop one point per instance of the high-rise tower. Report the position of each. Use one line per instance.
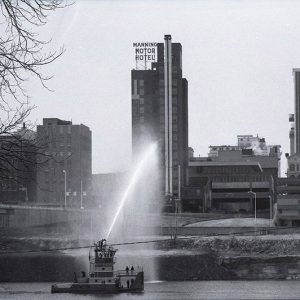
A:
(160, 113)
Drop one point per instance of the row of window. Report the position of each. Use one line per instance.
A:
(294, 167)
(60, 153)
(225, 169)
(174, 82)
(174, 91)
(61, 129)
(240, 178)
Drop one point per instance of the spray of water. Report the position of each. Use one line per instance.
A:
(135, 177)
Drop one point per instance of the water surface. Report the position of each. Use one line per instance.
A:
(168, 291)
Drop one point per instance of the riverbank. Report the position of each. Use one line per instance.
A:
(248, 257)
(202, 258)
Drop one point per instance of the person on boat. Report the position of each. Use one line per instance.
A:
(127, 270)
(132, 269)
(128, 283)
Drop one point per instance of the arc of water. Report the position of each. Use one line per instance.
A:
(132, 182)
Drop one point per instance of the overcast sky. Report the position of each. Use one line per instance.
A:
(238, 58)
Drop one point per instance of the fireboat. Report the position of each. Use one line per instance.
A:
(101, 277)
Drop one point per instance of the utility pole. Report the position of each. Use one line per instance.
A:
(253, 193)
(271, 215)
(177, 200)
(81, 194)
(65, 173)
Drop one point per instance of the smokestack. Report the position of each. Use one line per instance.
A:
(168, 115)
(296, 73)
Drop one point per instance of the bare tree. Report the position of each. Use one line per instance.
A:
(23, 55)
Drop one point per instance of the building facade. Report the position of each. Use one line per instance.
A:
(288, 202)
(160, 114)
(18, 166)
(65, 171)
(226, 182)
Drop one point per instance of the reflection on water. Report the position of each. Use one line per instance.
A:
(169, 291)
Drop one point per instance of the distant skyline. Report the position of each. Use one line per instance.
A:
(238, 58)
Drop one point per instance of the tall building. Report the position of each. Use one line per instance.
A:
(69, 167)
(160, 113)
(293, 158)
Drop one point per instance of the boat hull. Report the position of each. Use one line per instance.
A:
(98, 288)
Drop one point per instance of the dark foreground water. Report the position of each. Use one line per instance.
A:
(169, 291)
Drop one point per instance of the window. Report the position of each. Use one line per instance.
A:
(141, 82)
(142, 101)
(142, 120)
(292, 167)
(142, 92)
(142, 110)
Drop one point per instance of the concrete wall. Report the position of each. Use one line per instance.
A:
(20, 217)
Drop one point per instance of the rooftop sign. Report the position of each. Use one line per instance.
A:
(145, 52)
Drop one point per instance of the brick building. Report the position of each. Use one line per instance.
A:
(18, 165)
(68, 147)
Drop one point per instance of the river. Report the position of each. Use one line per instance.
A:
(180, 290)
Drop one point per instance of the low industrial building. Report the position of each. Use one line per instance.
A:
(230, 182)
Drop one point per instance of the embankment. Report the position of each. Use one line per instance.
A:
(210, 258)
